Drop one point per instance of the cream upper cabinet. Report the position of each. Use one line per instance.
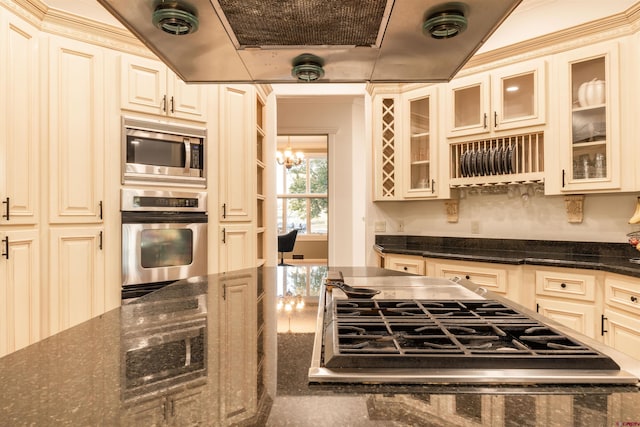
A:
(507, 98)
(19, 115)
(236, 176)
(589, 122)
(148, 86)
(19, 290)
(76, 131)
(420, 143)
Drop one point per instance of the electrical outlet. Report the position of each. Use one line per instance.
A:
(381, 226)
(401, 226)
(475, 227)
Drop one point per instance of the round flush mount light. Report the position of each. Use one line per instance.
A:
(445, 24)
(307, 67)
(175, 18)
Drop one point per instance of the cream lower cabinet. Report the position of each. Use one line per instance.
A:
(499, 278)
(238, 339)
(621, 321)
(406, 263)
(237, 246)
(76, 276)
(571, 297)
(180, 409)
(20, 322)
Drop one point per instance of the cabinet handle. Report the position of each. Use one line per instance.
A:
(224, 235)
(6, 247)
(563, 285)
(164, 411)
(224, 291)
(537, 308)
(495, 119)
(433, 186)
(171, 103)
(224, 210)
(100, 241)
(100, 208)
(602, 329)
(563, 178)
(6, 202)
(172, 405)
(634, 298)
(485, 121)
(164, 103)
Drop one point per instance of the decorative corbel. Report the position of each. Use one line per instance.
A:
(575, 208)
(452, 210)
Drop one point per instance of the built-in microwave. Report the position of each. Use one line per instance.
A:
(162, 153)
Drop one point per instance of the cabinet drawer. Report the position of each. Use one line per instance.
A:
(566, 285)
(406, 263)
(623, 293)
(491, 278)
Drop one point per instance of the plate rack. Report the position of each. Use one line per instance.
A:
(498, 161)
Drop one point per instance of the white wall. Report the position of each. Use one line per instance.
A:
(341, 115)
(353, 215)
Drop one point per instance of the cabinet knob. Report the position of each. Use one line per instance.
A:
(634, 298)
(405, 268)
(467, 277)
(563, 285)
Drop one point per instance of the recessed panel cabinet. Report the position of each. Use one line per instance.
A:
(19, 115)
(589, 119)
(76, 132)
(148, 86)
(506, 98)
(20, 307)
(76, 276)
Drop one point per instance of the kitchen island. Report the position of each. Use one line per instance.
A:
(207, 351)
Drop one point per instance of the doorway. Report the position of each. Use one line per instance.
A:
(302, 196)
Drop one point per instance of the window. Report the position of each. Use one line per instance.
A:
(302, 196)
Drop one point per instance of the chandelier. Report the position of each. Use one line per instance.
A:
(288, 159)
(288, 302)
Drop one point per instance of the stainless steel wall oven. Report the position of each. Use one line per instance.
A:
(164, 238)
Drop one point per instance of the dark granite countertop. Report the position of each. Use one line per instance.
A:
(609, 257)
(83, 376)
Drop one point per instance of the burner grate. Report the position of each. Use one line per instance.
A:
(448, 334)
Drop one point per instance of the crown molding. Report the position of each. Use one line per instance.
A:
(65, 24)
(619, 25)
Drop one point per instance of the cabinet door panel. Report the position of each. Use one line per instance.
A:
(143, 85)
(622, 332)
(76, 132)
(237, 147)
(237, 248)
(76, 282)
(577, 316)
(19, 111)
(20, 292)
(187, 101)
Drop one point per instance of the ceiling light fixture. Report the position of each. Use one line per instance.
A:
(288, 159)
(307, 67)
(446, 24)
(175, 18)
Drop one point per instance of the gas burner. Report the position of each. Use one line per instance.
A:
(381, 333)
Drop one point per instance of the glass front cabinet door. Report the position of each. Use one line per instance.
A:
(420, 148)
(589, 108)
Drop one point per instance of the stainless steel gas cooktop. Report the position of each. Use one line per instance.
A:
(427, 330)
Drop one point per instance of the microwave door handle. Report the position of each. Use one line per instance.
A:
(187, 154)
